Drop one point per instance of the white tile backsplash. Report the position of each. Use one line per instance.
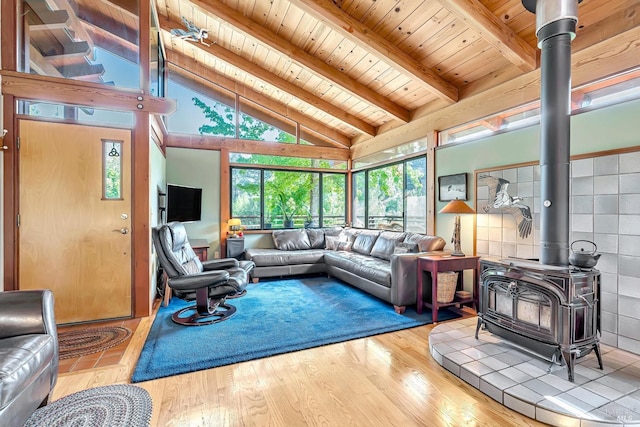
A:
(605, 209)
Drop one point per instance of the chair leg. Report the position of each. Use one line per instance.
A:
(205, 312)
(167, 288)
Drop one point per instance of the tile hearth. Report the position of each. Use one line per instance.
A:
(522, 382)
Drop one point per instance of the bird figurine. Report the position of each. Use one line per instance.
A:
(195, 34)
(500, 199)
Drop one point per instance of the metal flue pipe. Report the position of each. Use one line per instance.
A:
(555, 28)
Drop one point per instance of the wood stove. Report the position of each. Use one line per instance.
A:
(551, 311)
(550, 307)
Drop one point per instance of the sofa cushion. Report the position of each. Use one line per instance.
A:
(291, 240)
(377, 270)
(365, 241)
(22, 359)
(271, 257)
(426, 243)
(316, 237)
(386, 243)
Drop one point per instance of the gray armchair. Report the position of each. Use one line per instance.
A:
(210, 283)
(28, 353)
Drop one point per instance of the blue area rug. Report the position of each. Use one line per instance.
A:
(274, 317)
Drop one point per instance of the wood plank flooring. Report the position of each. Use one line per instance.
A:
(385, 380)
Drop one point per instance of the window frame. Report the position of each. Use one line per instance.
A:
(366, 172)
(263, 169)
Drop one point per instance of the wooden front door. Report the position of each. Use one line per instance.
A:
(75, 218)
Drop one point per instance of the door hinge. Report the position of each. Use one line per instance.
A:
(18, 142)
(18, 220)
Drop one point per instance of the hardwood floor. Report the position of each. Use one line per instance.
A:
(385, 380)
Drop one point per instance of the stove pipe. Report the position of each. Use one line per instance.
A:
(555, 27)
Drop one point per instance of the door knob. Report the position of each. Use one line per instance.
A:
(123, 230)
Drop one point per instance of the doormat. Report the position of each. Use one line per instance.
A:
(80, 342)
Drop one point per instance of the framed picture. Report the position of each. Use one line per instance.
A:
(452, 187)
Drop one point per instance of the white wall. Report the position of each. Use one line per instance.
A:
(199, 168)
(157, 180)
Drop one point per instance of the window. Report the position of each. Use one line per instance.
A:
(274, 199)
(609, 91)
(392, 197)
(384, 198)
(112, 170)
(68, 40)
(201, 110)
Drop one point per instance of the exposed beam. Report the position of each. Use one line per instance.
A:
(269, 78)
(352, 29)
(205, 142)
(204, 75)
(494, 31)
(111, 42)
(218, 10)
(74, 92)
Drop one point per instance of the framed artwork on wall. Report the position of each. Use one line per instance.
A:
(451, 187)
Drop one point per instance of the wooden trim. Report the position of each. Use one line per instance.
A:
(144, 54)
(332, 16)
(10, 207)
(199, 74)
(431, 183)
(74, 92)
(8, 32)
(494, 31)
(301, 57)
(268, 77)
(225, 199)
(256, 147)
(141, 233)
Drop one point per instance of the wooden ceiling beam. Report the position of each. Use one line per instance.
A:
(352, 29)
(205, 76)
(494, 31)
(269, 78)
(206, 142)
(218, 10)
(86, 94)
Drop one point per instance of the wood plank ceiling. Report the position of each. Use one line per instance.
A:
(358, 65)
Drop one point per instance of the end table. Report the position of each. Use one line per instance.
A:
(438, 263)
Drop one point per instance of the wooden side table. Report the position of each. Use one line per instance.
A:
(439, 263)
(201, 248)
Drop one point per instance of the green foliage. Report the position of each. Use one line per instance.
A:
(287, 195)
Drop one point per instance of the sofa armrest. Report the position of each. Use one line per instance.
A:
(30, 312)
(27, 312)
(220, 264)
(404, 277)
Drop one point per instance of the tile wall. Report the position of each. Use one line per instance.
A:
(605, 209)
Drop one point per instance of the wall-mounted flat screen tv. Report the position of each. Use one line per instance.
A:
(183, 203)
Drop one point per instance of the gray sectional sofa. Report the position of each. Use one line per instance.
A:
(382, 263)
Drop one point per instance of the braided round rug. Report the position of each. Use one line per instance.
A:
(79, 342)
(120, 405)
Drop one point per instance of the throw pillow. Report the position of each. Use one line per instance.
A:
(331, 243)
(344, 246)
(405, 248)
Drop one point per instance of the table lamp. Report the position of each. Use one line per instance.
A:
(457, 207)
(234, 226)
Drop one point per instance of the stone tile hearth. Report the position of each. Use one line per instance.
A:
(524, 383)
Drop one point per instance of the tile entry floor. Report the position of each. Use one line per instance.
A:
(524, 383)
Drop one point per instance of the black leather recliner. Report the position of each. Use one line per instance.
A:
(28, 353)
(210, 283)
